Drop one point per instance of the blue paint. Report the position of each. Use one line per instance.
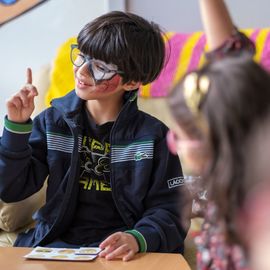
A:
(8, 2)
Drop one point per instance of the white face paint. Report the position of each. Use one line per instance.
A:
(98, 69)
(101, 70)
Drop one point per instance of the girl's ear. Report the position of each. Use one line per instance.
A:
(131, 85)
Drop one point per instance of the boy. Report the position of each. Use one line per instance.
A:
(108, 165)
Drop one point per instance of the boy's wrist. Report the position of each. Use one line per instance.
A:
(19, 128)
(140, 240)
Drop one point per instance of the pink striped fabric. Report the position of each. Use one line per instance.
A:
(186, 53)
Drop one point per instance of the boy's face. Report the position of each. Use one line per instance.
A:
(95, 79)
(88, 88)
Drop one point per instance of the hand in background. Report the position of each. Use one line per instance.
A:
(217, 22)
(21, 106)
(119, 244)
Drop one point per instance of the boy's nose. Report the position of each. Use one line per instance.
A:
(85, 70)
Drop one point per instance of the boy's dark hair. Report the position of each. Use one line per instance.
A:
(127, 40)
(237, 100)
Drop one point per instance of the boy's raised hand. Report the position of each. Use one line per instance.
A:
(21, 106)
(119, 245)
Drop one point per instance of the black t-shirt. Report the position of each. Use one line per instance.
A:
(96, 215)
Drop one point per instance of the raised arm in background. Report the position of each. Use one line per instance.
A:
(217, 23)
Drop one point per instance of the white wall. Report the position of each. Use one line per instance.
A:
(31, 39)
(183, 15)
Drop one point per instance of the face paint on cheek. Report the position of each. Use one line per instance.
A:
(109, 85)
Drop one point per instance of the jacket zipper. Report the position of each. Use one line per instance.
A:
(111, 170)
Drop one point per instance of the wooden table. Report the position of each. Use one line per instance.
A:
(12, 259)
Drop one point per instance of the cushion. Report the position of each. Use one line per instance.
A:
(7, 239)
(14, 216)
(185, 51)
(62, 77)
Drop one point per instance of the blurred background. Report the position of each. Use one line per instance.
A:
(31, 40)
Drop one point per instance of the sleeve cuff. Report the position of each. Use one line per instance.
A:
(15, 136)
(237, 43)
(140, 239)
(18, 128)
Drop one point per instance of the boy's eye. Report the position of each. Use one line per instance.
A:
(101, 68)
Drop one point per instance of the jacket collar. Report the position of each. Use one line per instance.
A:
(71, 105)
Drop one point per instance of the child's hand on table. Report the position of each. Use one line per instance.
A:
(119, 244)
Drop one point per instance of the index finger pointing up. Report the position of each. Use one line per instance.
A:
(29, 76)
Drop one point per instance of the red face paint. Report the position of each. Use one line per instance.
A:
(108, 85)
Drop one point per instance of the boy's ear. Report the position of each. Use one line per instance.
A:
(131, 85)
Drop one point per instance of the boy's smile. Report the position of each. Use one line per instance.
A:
(102, 86)
(82, 85)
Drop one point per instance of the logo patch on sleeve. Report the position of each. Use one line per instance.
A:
(176, 182)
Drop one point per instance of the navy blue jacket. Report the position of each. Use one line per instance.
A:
(146, 179)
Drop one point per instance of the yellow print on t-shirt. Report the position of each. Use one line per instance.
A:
(95, 165)
(95, 184)
(93, 145)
